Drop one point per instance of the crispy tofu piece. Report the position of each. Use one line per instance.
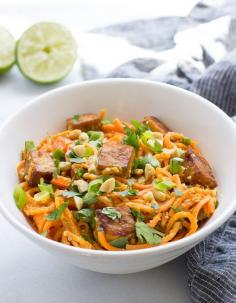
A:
(197, 170)
(38, 165)
(84, 122)
(155, 124)
(123, 227)
(116, 155)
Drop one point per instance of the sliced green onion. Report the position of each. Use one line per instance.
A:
(19, 197)
(164, 185)
(175, 165)
(94, 135)
(45, 187)
(58, 154)
(178, 192)
(186, 140)
(88, 152)
(29, 146)
(42, 196)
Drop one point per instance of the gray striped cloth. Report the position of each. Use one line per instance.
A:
(212, 263)
(208, 71)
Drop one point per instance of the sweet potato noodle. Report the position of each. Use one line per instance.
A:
(115, 185)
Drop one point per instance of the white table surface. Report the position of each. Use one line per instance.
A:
(29, 274)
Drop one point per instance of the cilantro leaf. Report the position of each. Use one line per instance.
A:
(147, 234)
(80, 172)
(139, 127)
(90, 198)
(119, 242)
(87, 215)
(70, 193)
(19, 197)
(131, 138)
(111, 213)
(56, 213)
(137, 214)
(128, 192)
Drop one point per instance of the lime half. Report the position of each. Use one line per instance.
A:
(46, 52)
(7, 50)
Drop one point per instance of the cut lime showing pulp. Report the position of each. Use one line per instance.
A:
(7, 50)
(46, 52)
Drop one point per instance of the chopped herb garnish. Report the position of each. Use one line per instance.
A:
(95, 185)
(175, 165)
(76, 117)
(58, 154)
(77, 160)
(72, 154)
(106, 121)
(128, 192)
(70, 193)
(41, 196)
(131, 138)
(147, 234)
(137, 214)
(94, 135)
(120, 242)
(142, 161)
(29, 146)
(164, 185)
(86, 214)
(186, 140)
(80, 172)
(90, 198)
(139, 127)
(56, 172)
(111, 213)
(96, 144)
(19, 197)
(44, 187)
(88, 152)
(151, 142)
(176, 209)
(178, 192)
(216, 204)
(56, 213)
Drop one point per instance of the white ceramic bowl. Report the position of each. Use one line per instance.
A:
(180, 110)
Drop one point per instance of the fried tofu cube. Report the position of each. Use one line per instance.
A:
(84, 122)
(116, 155)
(122, 227)
(155, 124)
(38, 165)
(197, 170)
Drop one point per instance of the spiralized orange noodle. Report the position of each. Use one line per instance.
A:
(115, 185)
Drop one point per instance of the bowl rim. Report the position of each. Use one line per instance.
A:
(172, 246)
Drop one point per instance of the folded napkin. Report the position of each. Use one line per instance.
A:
(164, 49)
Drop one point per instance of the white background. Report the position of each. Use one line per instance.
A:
(28, 274)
